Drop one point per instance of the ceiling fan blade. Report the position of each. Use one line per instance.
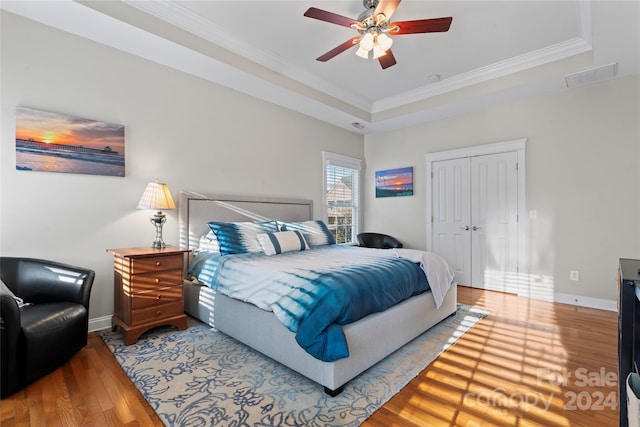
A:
(331, 17)
(339, 49)
(387, 60)
(386, 7)
(436, 25)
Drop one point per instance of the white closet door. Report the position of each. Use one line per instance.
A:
(451, 215)
(494, 221)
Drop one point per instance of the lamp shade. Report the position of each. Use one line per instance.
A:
(384, 42)
(366, 42)
(156, 196)
(362, 53)
(377, 52)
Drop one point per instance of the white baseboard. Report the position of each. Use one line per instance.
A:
(547, 294)
(579, 300)
(99, 323)
(599, 303)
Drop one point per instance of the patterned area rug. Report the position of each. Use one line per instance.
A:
(201, 377)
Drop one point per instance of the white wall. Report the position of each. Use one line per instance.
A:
(582, 178)
(191, 134)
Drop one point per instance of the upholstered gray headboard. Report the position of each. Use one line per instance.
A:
(196, 209)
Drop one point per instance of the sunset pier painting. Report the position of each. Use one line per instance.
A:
(53, 142)
(394, 182)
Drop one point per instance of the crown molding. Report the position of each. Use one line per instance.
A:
(536, 58)
(479, 75)
(270, 83)
(186, 20)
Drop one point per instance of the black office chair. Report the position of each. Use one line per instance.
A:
(37, 338)
(378, 240)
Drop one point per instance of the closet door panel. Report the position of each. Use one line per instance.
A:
(451, 216)
(494, 221)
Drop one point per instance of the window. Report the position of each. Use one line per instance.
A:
(341, 200)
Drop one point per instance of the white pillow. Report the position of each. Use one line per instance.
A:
(6, 290)
(208, 243)
(282, 241)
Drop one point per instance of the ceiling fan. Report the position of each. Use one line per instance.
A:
(374, 28)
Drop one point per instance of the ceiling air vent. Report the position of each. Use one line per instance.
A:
(592, 75)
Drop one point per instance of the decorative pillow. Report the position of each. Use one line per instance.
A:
(241, 237)
(5, 290)
(208, 243)
(316, 233)
(281, 242)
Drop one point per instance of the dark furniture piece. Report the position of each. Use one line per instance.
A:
(628, 329)
(38, 338)
(378, 240)
(147, 290)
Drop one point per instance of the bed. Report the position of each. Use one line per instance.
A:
(369, 340)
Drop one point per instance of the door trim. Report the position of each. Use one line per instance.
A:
(518, 146)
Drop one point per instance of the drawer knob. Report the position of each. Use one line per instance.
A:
(159, 297)
(157, 280)
(158, 263)
(158, 313)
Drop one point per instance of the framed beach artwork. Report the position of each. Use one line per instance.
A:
(53, 142)
(394, 182)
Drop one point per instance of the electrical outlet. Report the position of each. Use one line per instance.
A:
(574, 275)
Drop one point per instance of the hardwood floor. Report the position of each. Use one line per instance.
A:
(528, 363)
(90, 390)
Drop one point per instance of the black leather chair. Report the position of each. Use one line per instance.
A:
(378, 240)
(37, 338)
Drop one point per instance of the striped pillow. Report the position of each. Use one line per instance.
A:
(240, 237)
(281, 242)
(316, 233)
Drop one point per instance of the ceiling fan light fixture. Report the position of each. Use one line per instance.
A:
(378, 52)
(384, 42)
(362, 53)
(367, 42)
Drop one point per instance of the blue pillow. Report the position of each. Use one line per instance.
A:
(241, 237)
(316, 233)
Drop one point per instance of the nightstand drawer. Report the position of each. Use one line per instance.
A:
(157, 263)
(150, 314)
(156, 297)
(146, 282)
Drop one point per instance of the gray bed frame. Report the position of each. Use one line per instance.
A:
(370, 339)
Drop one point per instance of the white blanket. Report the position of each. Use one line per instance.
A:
(439, 273)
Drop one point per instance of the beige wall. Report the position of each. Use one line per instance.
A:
(582, 178)
(190, 133)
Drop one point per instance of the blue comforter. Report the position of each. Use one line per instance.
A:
(313, 293)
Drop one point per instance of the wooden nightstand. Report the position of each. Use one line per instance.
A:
(147, 290)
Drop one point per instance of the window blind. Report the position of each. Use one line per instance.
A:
(342, 196)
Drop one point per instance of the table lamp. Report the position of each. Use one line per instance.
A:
(157, 197)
